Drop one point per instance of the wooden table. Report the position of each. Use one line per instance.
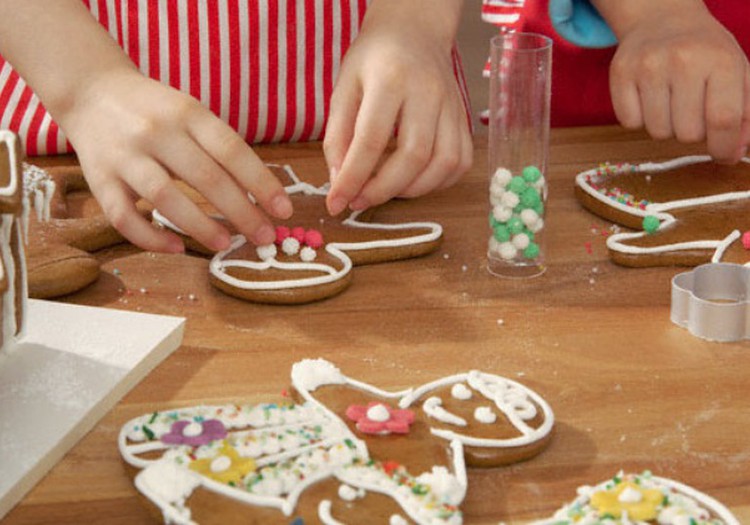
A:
(630, 390)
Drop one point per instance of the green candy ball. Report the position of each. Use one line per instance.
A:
(501, 233)
(539, 208)
(531, 251)
(650, 223)
(530, 198)
(515, 225)
(517, 185)
(531, 174)
(529, 233)
(493, 221)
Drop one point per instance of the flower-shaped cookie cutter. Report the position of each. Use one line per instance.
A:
(713, 301)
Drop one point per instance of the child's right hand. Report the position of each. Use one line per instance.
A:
(134, 135)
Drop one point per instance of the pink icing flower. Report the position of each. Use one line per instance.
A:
(194, 433)
(379, 418)
(298, 232)
(314, 239)
(746, 240)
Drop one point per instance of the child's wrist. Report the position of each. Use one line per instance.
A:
(625, 16)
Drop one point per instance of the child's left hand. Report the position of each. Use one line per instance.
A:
(398, 73)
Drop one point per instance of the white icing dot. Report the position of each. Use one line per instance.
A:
(347, 493)
(396, 519)
(630, 495)
(220, 464)
(461, 391)
(510, 199)
(307, 254)
(485, 415)
(502, 176)
(290, 246)
(521, 241)
(502, 213)
(266, 252)
(192, 429)
(378, 413)
(529, 217)
(507, 251)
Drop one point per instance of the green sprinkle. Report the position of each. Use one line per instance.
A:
(149, 433)
(530, 198)
(531, 174)
(420, 489)
(153, 418)
(650, 223)
(517, 185)
(349, 443)
(515, 225)
(531, 251)
(502, 233)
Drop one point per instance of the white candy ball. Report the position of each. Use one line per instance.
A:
(493, 246)
(521, 241)
(502, 176)
(495, 200)
(529, 217)
(537, 226)
(539, 183)
(502, 213)
(507, 251)
(510, 199)
(496, 190)
(266, 252)
(307, 254)
(290, 246)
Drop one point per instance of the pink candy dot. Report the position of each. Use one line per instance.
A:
(298, 233)
(314, 239)
(746, 240)
(282, 232)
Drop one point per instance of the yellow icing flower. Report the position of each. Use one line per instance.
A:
(226, 467)
(640, 504)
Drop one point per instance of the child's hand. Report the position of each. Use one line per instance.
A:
(133, 135)
(397, 73)
(679, 73)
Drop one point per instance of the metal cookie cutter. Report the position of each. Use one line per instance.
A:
(713, 301)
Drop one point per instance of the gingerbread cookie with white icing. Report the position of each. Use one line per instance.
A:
(314, 254)
(644, 499)
(690, 210)
(345, 449)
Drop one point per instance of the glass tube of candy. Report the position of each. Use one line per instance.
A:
(519, 113)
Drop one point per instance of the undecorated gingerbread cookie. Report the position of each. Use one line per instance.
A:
(314, 254)
(690, 210)
(345, 453)
(642, 499)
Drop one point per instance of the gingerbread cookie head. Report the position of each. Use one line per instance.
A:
(314, 254)
(644, 499)
(690, 210)
(346, 449)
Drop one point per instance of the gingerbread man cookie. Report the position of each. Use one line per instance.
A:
(313, 255)
(644, 499)
(690, 210)
(345, 450)
(60, 241)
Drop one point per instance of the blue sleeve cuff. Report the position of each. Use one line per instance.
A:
(578, 22)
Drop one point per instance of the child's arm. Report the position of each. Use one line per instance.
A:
(398, 73)
(679, 73)
(132, 134)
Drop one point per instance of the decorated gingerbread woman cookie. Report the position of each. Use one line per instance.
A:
(344, 451)
(690, 210)
(314, 254)
(645, 499)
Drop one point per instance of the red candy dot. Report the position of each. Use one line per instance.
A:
(282, 232)
(298, 233)
(746, 240)
(314, 239)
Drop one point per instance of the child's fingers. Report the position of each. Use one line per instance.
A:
(745, 133)
(625, 98)
(120, 209)
(414, 151)
(149, 180)
(340, 126)
(724, 100)
(687, 109)
(372, 131)
(655, 108)
(238, 160)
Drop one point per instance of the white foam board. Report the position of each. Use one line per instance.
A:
(72, 365)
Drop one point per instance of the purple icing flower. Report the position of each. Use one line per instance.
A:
(194, 433)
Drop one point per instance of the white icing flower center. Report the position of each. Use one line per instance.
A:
(461, 391)
(193, 429)
(485, 415)
(220, 464)
(307, 254)
(378, 413)
(266, 252)
(630, 495)
(347, 493)
(290, 246)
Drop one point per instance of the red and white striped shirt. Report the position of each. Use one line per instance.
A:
(266, 67)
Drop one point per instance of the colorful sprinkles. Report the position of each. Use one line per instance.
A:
(616, 194)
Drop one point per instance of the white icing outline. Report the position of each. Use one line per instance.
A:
(307, 376)
(324, 513)
(660, 210)
(707, 501)
(220, 262)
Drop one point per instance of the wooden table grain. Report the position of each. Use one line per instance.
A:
(630, 390)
